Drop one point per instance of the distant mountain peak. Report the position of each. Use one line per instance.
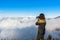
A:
(57, 17)
(49, 18)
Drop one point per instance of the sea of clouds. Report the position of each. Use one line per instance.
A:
(24, 28)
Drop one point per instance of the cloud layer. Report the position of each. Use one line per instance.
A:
(24, 28)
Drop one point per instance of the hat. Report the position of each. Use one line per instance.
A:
(39, 15)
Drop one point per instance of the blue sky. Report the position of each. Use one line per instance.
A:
(51, 8)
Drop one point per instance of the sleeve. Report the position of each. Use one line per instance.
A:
(37, 22)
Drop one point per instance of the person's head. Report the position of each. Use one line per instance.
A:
(41, 16)
(49, 37)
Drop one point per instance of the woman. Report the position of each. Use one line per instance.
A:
(41, 22)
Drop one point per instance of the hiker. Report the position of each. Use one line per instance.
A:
(41, 22)
(49, 37)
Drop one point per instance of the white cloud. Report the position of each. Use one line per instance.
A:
(24, 28)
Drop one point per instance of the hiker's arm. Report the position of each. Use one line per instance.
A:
(37, 22)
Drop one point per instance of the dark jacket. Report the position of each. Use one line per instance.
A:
(41, 27)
